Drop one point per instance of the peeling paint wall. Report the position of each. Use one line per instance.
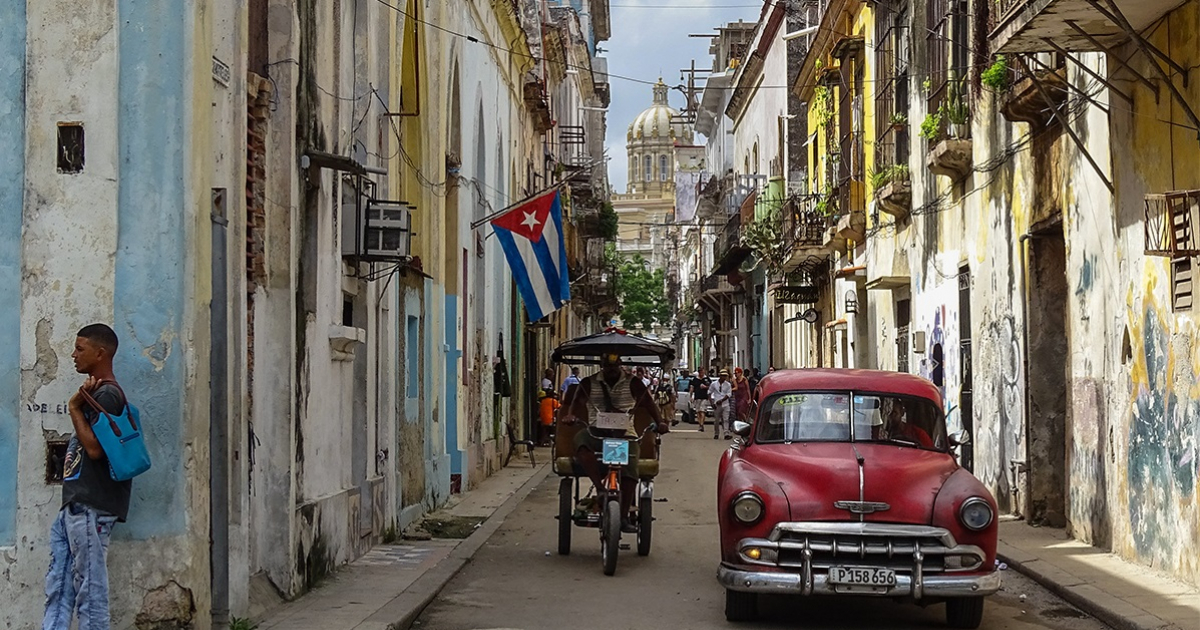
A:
(12, 134)
(125, 241)
(1144, 374)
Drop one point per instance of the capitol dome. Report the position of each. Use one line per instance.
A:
(650, 144)
(656, 123)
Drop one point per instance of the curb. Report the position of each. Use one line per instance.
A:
(401, 612)
(1089, 605)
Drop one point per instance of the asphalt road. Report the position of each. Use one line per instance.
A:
(518, 580)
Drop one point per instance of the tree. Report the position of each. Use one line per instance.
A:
(642, 293)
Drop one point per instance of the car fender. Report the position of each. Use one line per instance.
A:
(738, 476)
(959, 487)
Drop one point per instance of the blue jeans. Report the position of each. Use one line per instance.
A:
(78, 576)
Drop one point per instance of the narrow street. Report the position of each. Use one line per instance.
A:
(517, 580)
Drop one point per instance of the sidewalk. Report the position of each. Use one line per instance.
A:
(1123, 595)
(387, 588)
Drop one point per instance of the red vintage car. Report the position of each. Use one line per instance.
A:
(846, 484)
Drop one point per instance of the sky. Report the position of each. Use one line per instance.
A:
(649, 40)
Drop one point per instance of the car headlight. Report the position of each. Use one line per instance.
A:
(976, 513)
(747, 508)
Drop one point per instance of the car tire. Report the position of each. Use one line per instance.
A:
(740, 606)
(964, 612)
(566, 507)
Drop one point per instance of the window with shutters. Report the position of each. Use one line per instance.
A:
(1183, 283)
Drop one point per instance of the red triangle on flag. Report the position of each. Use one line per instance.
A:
(529, 218)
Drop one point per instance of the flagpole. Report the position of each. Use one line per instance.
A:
(479, 222)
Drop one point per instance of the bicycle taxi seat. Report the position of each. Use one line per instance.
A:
(565, 464)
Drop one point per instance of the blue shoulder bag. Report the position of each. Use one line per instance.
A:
(121, 437)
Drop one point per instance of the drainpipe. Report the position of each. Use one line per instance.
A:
(219, 423)
(1017, 466)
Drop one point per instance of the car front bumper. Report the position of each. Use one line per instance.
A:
(817, 583)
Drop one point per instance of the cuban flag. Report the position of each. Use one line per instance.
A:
(532, 237)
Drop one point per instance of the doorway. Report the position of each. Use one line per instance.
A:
(1046, 377)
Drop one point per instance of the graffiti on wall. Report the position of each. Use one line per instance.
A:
(1088, 453)
(998, 373)
(1162, 442)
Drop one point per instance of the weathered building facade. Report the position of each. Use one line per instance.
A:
(272, 204)
(1012, 220)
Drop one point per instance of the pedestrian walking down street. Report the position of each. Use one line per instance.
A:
(699, 391)
(664, 395)
(719, 394)
(92, 502)
(547, 407)
(741, 396)
(548, 380)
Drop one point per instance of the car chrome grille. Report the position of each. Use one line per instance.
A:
(811, 548)
(893, 552)
(899, 547)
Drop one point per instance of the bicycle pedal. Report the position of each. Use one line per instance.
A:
(624, 546)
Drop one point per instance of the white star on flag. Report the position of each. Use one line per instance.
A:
(530, 220)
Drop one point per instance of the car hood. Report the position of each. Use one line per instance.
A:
(815, 475)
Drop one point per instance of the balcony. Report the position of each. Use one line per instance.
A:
(1025, 101)
(728, 248)
(716, 283)
(805, 228)
(1073, 25)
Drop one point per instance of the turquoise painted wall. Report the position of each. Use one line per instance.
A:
(151, 249)
(12, 165)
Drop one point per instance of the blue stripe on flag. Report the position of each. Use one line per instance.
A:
(564, 283)
(519, 272)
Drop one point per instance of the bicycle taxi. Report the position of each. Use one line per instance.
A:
(621, 437)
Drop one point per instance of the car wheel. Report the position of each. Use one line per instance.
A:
(740, 606)
(964, 612)
(566, 506)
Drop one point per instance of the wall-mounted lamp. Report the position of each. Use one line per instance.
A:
(851, 301)
(810, 316)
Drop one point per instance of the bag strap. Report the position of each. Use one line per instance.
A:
(124, 401)
(112, 424)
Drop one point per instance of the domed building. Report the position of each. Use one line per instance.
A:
(648, 204)
(650, 144)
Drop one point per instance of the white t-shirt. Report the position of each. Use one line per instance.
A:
(720, 392)
(546, 384)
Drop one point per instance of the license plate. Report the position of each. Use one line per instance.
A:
(611, 420)
(615, 452)
(855, 576)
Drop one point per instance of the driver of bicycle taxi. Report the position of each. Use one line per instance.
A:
(613, 389)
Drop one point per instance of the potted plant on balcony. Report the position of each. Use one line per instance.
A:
(956, 111)
(893, 189)
(931, 127)
(996, 77)
(898, 122)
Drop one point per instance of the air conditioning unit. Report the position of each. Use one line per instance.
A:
(388, 231)
(382, 231)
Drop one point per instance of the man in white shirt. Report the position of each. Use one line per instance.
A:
(719, 395)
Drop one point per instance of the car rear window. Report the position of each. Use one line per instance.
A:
(826, 417)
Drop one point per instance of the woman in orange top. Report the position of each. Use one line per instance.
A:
(547, 405)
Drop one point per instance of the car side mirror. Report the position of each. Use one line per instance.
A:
(741, 428)
(959, 438)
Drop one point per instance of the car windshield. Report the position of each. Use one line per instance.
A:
(826, 417)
